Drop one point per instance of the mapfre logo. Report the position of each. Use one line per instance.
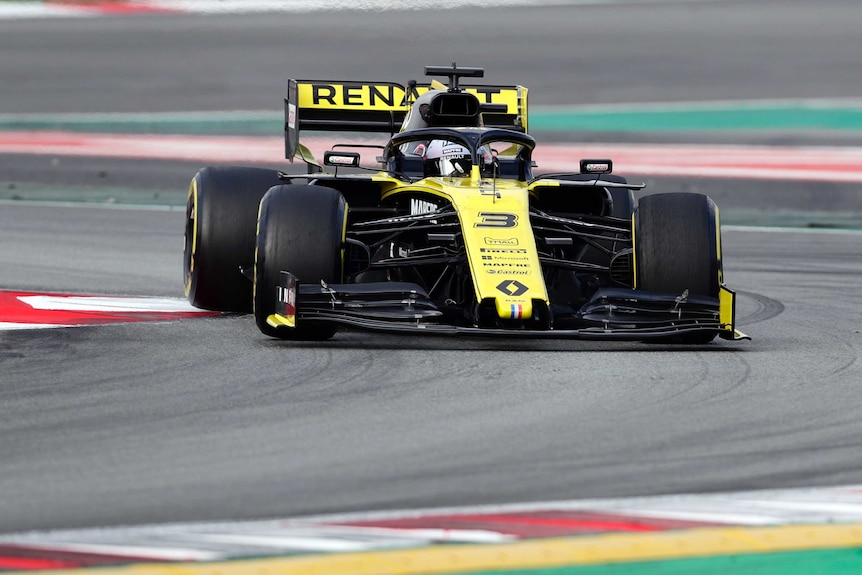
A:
(501, 242)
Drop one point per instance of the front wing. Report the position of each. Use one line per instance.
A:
(400, 307)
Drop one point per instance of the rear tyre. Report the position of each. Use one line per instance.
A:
(221, 214)
(300, 229)
(677, 248)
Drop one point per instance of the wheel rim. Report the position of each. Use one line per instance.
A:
(190, 237)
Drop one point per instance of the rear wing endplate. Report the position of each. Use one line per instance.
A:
(317, 105)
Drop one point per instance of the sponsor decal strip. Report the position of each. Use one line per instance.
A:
(823, 163)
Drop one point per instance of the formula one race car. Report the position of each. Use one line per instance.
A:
(451, 232)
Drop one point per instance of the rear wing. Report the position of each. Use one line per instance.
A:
(317, 105)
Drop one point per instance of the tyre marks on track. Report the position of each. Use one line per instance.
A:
(767, 308)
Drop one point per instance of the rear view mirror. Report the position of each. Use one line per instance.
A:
(341, 159)
(596, 166)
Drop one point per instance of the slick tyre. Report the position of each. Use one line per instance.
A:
(221, 214)
(677, 247)
(300, 229)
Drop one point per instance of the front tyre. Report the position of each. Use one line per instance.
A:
(300, 229)
(221, 213)
(677, 247)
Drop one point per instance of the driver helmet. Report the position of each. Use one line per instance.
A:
(449, 159)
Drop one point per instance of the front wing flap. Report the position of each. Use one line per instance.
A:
(401, 307)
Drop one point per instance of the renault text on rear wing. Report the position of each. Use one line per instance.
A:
(381, 107)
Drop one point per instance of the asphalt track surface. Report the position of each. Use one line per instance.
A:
(208, 419)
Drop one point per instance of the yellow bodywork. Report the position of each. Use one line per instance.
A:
(726, 297)
(727, 314)
(277, 320)
(501, 247)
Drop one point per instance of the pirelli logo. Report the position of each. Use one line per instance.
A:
(386, 96)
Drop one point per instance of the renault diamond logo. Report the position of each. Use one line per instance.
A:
(512, 288)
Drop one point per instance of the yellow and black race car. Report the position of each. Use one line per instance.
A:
(451, 233)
